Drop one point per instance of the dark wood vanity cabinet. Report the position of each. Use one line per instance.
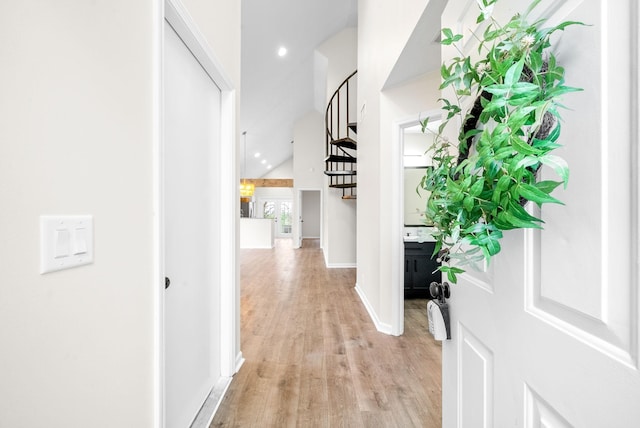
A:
(419, 269)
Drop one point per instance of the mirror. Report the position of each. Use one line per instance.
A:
(415, 163)
(414, 203)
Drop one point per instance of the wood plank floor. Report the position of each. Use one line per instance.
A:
(313, 356)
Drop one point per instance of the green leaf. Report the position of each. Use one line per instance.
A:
(561, 90)
(519, 117)
(535, 59)
(517, 222)
(559, 165)
(451, 272)
(553, 136)
(513, 74)
(467, 203)
(424, 124)
(493, 247)
(521, 88)
(545, 145)
(475, 228)
(476, 189)
(548, 186)
(449, 37)
(486, 9)
(503, 183)
(498, 89)
(522, 147)
(565, 24)
(536, 195)
(527, 161)
(515, 209)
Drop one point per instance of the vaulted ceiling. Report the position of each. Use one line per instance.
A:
(276, 91)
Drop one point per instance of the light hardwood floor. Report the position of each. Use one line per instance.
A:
(313, 356)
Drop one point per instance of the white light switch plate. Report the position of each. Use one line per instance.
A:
(65, 242)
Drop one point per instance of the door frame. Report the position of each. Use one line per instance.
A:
(174, 12)
(298, 213)
(397, 215)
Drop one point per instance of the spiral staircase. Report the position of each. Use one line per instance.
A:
(341, 146)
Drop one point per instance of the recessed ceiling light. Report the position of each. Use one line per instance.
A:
(269, 167)
(257, 155)
(282, 51)
(263, 161)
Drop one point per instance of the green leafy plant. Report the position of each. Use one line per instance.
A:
(507, 103)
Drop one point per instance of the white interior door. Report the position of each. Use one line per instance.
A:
(192, 308)
(548, 335)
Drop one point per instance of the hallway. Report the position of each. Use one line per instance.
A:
(313, 356)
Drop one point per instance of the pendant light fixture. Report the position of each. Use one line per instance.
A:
(246, 189)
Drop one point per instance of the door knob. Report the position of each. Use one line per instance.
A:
(167, 282)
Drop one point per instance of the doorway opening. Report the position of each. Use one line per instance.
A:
(309, 216)
(413, 269)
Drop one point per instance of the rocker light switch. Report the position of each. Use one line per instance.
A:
(65, 242)
(62, 243)
(80, 241)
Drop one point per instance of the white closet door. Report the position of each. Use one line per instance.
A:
(192, 301)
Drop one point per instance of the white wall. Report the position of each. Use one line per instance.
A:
(339, 216)
(284, 170)
(399, 103)
(308, 151)
(308, 156)
(79, 94)
(383, 31)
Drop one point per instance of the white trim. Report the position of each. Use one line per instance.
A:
(340, 265)
(239, 361)
(380, 326)
(158, 218)
(397, 215)
(179, 18)
(635, 162)
(298, 238)
(229, 220)
(212, 403)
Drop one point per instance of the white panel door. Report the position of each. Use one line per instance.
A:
(192, 301)
(548, 336)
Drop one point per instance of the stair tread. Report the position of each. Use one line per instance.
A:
(353, 126)
(340, 173)
(347, 142)
(339, 158)
(350, 197)
(344, 186)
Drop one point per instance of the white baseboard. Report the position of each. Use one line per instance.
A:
(380, 326)
(239, 361)
(211, 404)
(340, 265)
